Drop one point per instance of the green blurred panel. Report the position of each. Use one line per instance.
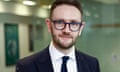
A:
(11, 43)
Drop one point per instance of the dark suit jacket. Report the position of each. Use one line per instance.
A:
(41, 62)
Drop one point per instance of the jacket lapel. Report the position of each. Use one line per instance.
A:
(82, 65)
(44, 63)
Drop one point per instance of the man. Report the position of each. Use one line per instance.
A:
(65, 25)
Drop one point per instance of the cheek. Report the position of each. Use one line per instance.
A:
(75, 35)
(54, 32)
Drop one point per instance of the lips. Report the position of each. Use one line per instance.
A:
(64, 37)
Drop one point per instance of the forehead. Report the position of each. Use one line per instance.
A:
(66, 12)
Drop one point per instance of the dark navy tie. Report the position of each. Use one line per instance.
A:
(64, 64)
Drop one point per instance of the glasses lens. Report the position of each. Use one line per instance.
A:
(59, 24)
(74, 27)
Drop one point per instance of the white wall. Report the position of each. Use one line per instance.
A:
(23, 46)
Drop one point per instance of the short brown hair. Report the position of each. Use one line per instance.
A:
(75, 3)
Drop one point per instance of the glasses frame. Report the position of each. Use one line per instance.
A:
(65, 23)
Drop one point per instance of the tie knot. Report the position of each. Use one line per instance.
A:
(65, 59)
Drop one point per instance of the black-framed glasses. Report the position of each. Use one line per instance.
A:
(61, 24)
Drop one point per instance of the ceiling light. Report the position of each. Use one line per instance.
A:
(6, 0)
(30, 3)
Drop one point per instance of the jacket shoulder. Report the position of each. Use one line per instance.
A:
(90, 61)
(33, 58)
(85, 56)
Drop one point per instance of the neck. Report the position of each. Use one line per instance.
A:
(65, 51)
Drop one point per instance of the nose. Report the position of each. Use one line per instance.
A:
(66, 29)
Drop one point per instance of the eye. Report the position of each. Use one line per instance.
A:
(74, 25)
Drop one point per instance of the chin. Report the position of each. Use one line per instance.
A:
(66, 46)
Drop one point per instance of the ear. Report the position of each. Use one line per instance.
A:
(81, 28)
(48, 23)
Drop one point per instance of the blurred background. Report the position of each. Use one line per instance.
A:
(24, 32)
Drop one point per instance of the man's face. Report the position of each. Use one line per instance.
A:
(64, 38)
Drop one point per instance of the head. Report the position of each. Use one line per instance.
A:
(65, 23)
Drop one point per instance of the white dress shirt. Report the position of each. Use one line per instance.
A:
(56, 57)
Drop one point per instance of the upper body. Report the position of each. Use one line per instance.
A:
(65, 26)
(42, 62)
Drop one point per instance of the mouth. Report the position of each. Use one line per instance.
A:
(64, 37)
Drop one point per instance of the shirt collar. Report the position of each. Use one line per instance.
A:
(56, 54)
